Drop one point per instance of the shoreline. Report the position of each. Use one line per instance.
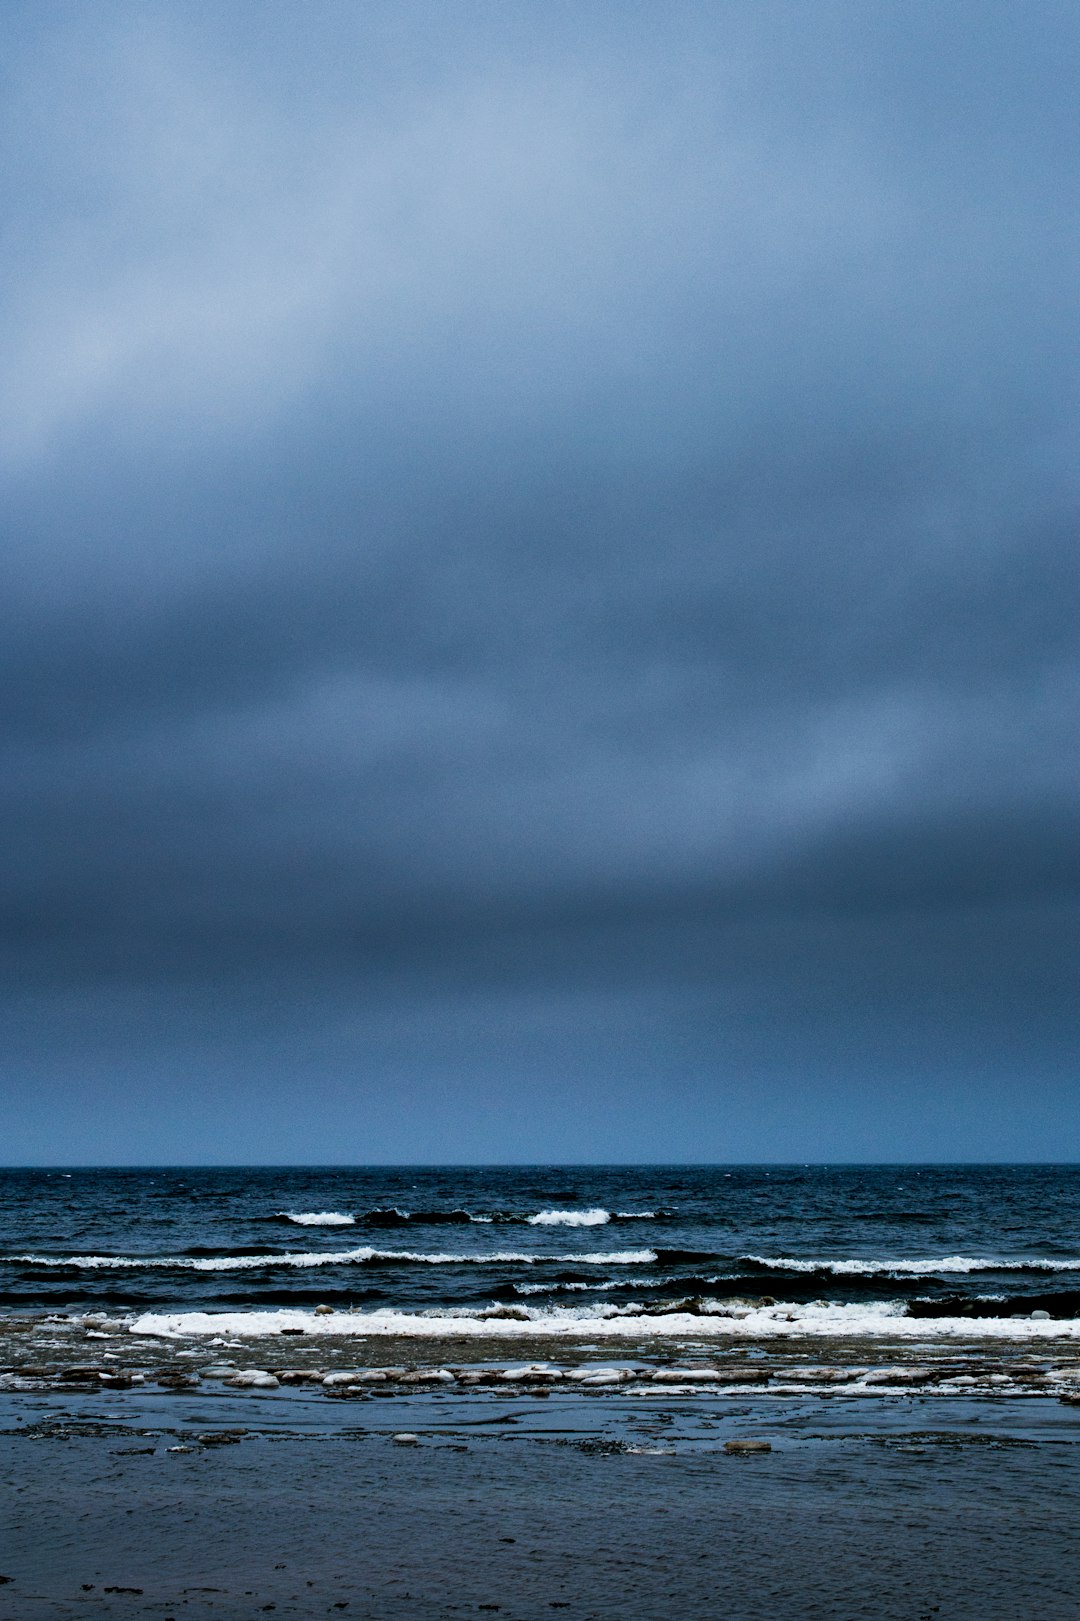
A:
(338, 1356)
(429, 1504)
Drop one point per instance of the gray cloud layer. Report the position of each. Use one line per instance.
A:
(539, 508)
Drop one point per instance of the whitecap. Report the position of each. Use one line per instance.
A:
(570, 1218)
(318, 1218)
(567, 1288)
(319, 1258)
(927, 1267)
(201, 1263)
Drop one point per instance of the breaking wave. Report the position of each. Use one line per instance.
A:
(394, 1216)
(364, 1256)
(927, 1268)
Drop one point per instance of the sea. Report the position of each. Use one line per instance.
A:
(745, 1250)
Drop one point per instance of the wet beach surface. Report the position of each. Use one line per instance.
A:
(618, 1501)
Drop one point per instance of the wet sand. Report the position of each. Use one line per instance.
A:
(250, 1503)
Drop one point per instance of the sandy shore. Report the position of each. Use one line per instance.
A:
(245, 1503)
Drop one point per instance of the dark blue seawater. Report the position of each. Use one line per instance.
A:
(931, 1241)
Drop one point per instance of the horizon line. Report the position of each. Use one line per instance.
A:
(521, 1165)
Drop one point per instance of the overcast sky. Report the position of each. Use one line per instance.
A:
(541, 580)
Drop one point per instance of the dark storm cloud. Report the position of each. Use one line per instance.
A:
(542, 502)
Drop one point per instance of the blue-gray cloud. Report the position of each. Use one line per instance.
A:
(541, 502)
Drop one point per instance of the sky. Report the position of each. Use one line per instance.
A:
(540, 581)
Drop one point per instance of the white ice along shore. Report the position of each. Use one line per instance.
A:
(873, 1320)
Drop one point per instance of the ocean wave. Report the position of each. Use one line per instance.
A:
(394, 1216)
(1063, 1303)
(364, 1256)
(594, 1217)
(926, 1268)
(526, 1289)
(684, 1257)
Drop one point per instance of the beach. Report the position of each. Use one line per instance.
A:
(609, 1392)
(236, 1503)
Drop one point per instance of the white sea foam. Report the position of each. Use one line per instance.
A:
(318, 1218)
(927, 1267)
(873, 1320)
(199, 1263)
(612, 1257)
(566, 1288)
(319, 1258)
(570, 1218)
